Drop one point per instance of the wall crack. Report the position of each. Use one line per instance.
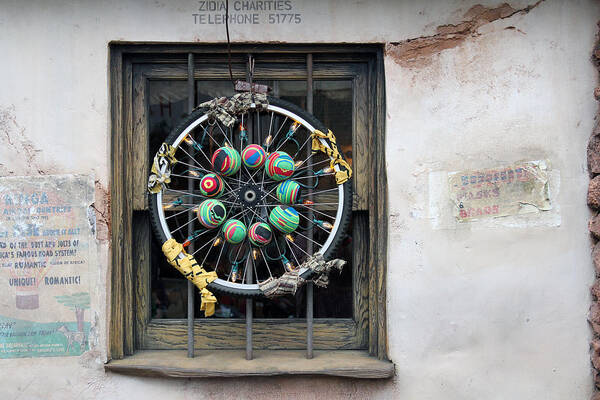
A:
(14, 138)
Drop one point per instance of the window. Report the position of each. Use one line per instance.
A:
(149, 96)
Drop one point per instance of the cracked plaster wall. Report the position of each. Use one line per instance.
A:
(474, 310)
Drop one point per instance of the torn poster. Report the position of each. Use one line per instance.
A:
(516, 189)
(45, 252)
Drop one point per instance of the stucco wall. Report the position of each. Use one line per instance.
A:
(493, 309)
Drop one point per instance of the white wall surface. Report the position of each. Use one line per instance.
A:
(493, 310)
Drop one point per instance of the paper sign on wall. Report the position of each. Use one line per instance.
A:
(515, 189)
(45, 240)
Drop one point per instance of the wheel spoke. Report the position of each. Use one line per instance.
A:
(307, 238)
(299, 248)
(183, 226)
(266, 262)
(196, 161)
(219, 258)
(187, 176)
(198, 166)
(313, 222)
(184, 193)
(281, 255)
(303, 144)
(180, 212)
(311, 165)
(312, 176)
(286, 139)
(277, 134)
(293, 254)
(210, 248)
(317, 211)
(224, 134)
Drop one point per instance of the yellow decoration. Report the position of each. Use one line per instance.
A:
(165, 155)
(189, 268)
(208, 302)
(341, 176)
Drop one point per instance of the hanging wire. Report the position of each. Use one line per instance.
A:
(228, 42)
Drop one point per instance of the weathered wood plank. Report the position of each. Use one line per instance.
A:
(272, 334)
(382, 216)
(141, 262)
(174, 364)
(140, 142)
(360, 151)
(238, 58)
(128, 318)
(262, 72)
(360, 231)
(276, 49)
(117, 194)
(372, 264)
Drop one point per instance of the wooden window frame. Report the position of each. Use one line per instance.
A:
(130, 330)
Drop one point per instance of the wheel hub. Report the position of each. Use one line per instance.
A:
(249, 195)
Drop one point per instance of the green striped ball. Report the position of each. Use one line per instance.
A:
(288, 192)
(284, 219)
(260, 234)
(234, 231)
(226, 161)
(279, 165)
(211, 213)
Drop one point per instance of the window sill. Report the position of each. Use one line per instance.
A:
(232, 363)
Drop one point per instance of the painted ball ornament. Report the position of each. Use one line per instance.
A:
(279, 165)
(284, 219)
(253, 156)
(226, 161)
(288, 192)
(211, 213)
(260, 234)
(234, 231)
(211, 185)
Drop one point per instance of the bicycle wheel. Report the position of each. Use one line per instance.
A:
(252, 200)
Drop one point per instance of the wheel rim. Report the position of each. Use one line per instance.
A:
(323, 247)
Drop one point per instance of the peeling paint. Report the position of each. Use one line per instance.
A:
(418, 52)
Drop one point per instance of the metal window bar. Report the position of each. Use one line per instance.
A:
(249, 302)
(190, 286)
(309, 285)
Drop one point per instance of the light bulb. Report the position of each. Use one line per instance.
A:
(289, 266)
(234, 272)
